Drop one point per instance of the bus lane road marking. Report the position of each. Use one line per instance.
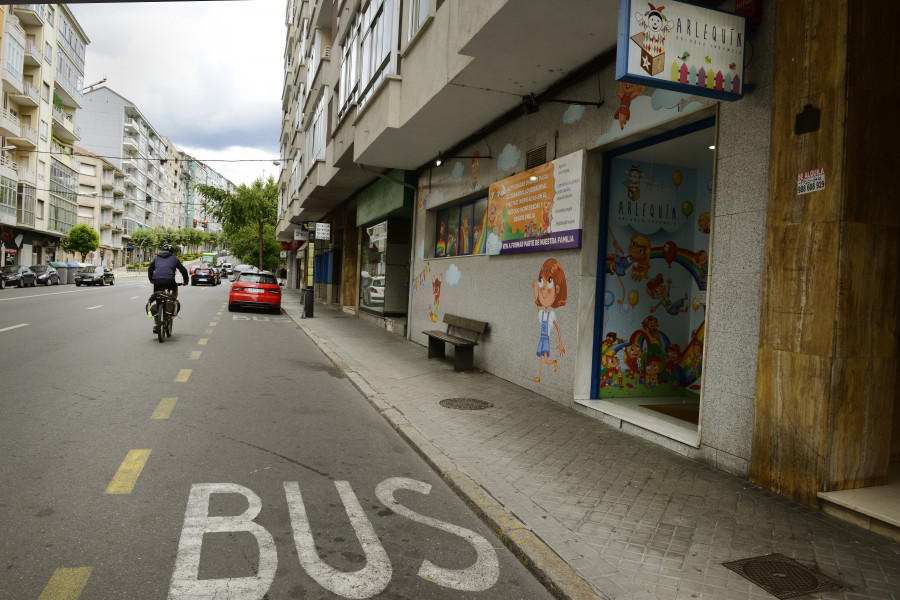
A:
(183, 375)
(195, 355)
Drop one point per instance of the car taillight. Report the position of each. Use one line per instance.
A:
(274, 291)
(237, 289)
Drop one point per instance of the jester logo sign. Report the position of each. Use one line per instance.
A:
(681, 47)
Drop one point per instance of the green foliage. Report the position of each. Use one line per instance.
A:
(82, 238)
(244, 245)
(57, 101)
(249, 211)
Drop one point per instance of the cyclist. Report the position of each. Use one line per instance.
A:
(162, 273)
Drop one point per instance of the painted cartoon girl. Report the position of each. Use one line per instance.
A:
(659, 291)
(696, 352)
(549, 293)
(673, 354)
(633, 354)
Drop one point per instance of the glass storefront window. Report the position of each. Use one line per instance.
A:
(373, 267)
(659, 201)
(460, 230)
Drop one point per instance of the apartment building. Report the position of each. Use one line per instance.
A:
(42, 54)
(646, 194)
(101, 206)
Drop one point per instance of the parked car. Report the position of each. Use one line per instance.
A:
(203, 275)
(373, 294)
(95, 275)
(236, 271)
(46, 274)
(255, 290)
(218, 273)
(18, 276)
(227, 269)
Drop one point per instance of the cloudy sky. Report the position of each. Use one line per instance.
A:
(207, 75)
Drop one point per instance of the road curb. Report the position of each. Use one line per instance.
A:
(552, 571)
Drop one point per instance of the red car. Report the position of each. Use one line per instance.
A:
(255, 290)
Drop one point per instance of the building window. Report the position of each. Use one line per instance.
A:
(462, 230)
(45, 130)
(316, 133)
(418, 13)
(348, 86)
(7, 196)
(25, 208)
(377, 54)
(63, 197)
(50, 13)
(48, 53)
(14, 56)
(45, 92)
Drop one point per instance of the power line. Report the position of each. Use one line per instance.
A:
(160, 160)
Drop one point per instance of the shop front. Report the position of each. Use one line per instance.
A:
(383, 212)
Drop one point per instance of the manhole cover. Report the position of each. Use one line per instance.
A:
(781, 576)
(465, 403)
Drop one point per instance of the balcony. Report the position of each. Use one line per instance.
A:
(27, 176)
(68, 91)
(89, 221)
(27, 138)
(106, 180)
(9, 123)
(132, 126)
(106, 225)
(130, 144)
(64, 126)
(8, 167)
(29, 14)
(458, 89)
(119, 186)
(32, 54)
(118, 206)
(29, 98)
(106, 202)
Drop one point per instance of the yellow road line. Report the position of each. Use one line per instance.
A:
(202, 341)
(213, 324)
(195, 355)
(218, 314)
(208, 331)
(164, 409)
(66, 584)
(183, 375)
(130, 469)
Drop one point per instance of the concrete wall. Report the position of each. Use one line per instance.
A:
(101, 122)
(498, 289)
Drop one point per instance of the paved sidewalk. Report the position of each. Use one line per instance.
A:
(592, 511)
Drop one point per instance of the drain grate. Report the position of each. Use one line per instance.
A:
(465, 403)
(781, 576)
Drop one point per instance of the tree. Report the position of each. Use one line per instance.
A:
(253, 206)
(82, 238)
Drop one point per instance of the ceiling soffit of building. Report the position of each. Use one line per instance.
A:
(524, 48)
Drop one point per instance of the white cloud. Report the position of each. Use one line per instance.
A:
(237, 164)
(208, 75)
(457, 171)
(509, 158)
(573, 114)
(453, 275)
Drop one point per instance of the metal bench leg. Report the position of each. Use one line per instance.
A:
(435, 348)
(464, 358)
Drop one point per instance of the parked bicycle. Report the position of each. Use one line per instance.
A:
(163, 307)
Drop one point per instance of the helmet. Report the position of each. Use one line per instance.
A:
(168, 247)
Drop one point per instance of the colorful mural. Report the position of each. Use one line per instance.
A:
(654, 272)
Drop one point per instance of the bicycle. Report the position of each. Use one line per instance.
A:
(167, 305)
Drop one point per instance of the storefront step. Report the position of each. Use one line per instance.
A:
(395, 325)
(874, 508)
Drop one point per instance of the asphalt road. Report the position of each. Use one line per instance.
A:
(232, 461)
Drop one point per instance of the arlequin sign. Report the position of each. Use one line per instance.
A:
(681, 47)
(538, 209)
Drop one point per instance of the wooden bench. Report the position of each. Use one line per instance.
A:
(463, 334)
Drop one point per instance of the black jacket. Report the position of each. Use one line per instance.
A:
(164, 265)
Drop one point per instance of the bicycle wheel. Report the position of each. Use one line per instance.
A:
(169, 323)
(160, 331)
